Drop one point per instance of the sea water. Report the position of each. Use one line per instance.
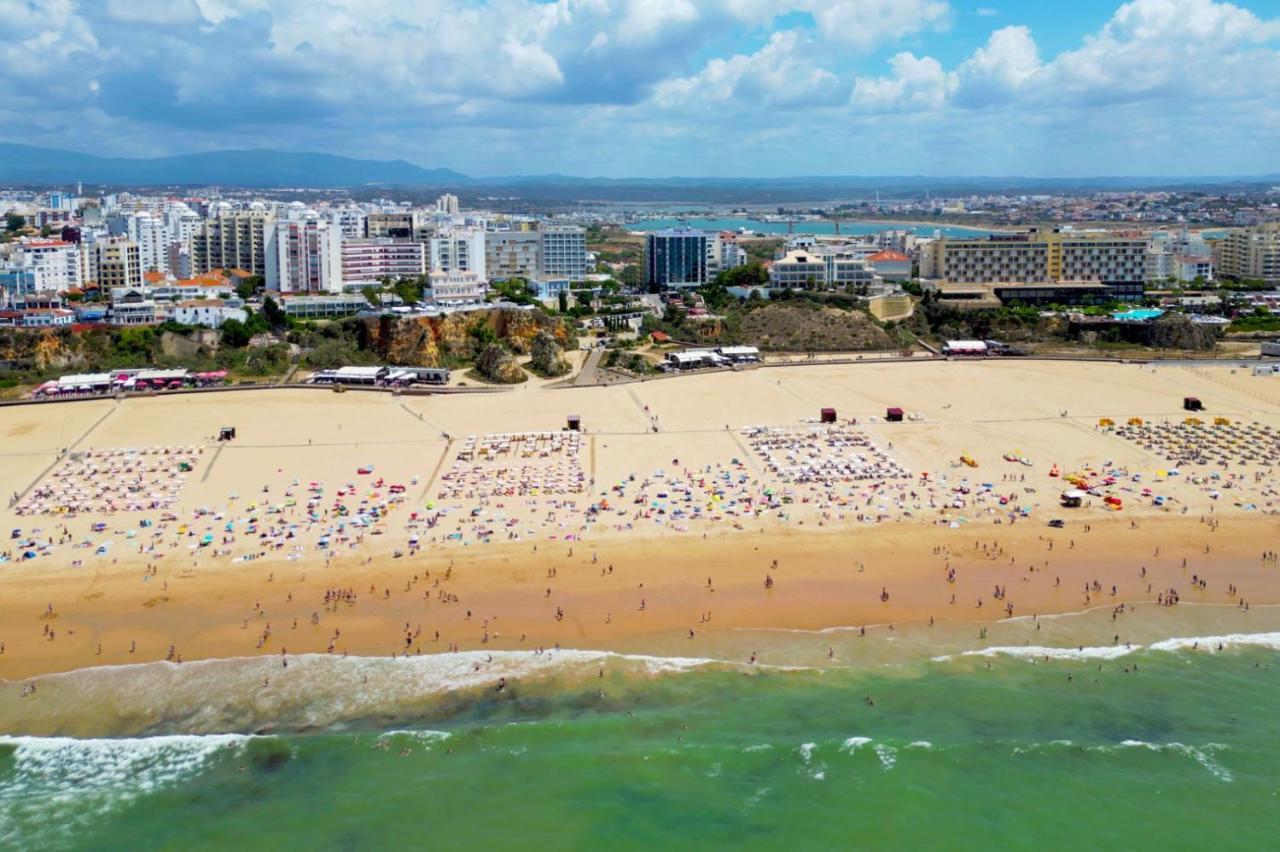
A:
(808, 226)
(1168, 743)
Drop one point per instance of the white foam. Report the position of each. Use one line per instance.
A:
(1200, 755)
(920, 744)
(852, 744)
(59, 783)
(142, 764)
(1039, 652)
(1211, 643)
(423, 736)
(888, 756)
(806, 751)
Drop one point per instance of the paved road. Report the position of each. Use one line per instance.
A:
(587, 376)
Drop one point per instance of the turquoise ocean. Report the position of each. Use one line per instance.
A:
(906, 739)
(805, 227)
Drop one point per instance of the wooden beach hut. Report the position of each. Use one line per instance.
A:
(828, 415)
(1192, 403)
(894, 415)
(575, 423)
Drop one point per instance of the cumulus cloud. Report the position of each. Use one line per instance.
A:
(38, 36)
(1175, 49)
(917, 83)
(553, 83)
(1003, 65)
(778, 73)
(867, 23)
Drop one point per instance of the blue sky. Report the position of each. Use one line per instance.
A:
(660, 87)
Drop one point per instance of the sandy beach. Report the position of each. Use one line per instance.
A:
(691, 514)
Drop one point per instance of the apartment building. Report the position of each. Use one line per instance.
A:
(399, 224)
(54, 263)
(997, 260)
(511, 254)
(117, 263)
(562, 252)
(303, 256)
(676, 258)
(1098, 258)
(1036, 257)
(820, 269)
(451, 289)
(366, 262)
(799, 269)
(1251, 253)
(349, 221)
(233, 240)
(459, 251)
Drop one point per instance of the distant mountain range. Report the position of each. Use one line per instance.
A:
(258, 168)
(30, 165)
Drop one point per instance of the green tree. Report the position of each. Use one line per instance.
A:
(273, 313)
(235, 333)
(14, 222)
(135, 344)
(249, 285)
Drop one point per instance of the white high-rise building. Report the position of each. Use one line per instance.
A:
(366, 262)
(458, 251)
(183, 223)
(303, 256)
(152, 238)
(349, 220)
(562, 252)
(447, 204)
(55, 264)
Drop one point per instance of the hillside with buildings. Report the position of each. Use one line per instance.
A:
(261, 284)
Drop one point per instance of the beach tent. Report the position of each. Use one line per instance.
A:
(894, 415)
(828, 415)
(575, 423)
(1191, 403)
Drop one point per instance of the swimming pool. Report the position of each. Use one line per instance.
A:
(1138, 314)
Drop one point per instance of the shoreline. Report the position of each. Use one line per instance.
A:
(375, 521)
(502, 605)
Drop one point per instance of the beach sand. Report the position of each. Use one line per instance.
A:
(521, 572)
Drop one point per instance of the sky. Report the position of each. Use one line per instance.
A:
(653, 88)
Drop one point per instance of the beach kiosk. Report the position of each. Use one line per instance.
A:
(827, 415)
(894, 415)
(1192, 403)
(575, 423)
(1072, 498)
(227, 433)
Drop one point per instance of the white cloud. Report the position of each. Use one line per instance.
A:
(865, 24)
(1005, 63)
(560, 81)
(158, 12)
(38, 36)
(778, 73)
(917, 83)
(645, 20)
(1170, 46)
(1175, 49)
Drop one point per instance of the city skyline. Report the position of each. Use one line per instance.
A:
(730, 88)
